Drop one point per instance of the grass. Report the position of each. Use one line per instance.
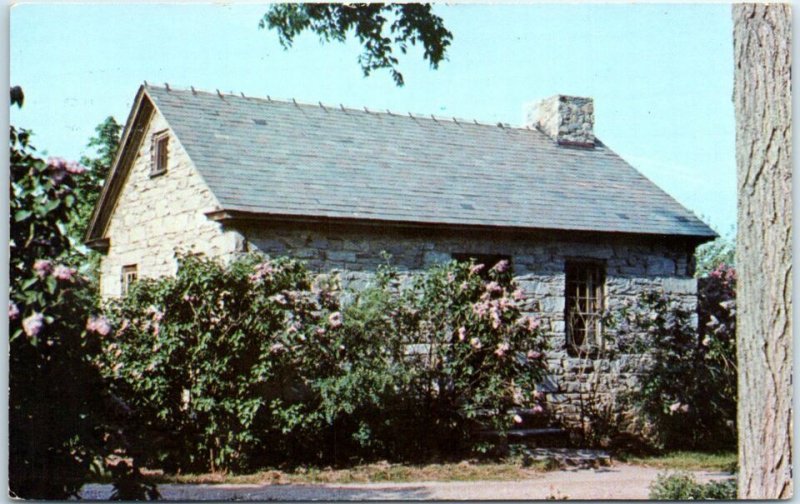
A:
(686, 461)
(370, 473)
(504, 470)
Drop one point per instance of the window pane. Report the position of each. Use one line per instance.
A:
(584, 302)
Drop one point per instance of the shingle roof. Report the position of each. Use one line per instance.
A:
(273, 157)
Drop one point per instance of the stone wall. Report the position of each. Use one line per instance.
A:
(538, 262)
(566, 119)
(154, 216)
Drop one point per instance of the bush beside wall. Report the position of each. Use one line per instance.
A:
(258, 363)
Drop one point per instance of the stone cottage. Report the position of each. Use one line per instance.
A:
(334, 186)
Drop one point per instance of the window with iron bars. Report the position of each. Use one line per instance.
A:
(585, 287)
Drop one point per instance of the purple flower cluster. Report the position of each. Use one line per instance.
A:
(335, 319)
(44, 267)
(59, 169)
(501, 267)
(33, 325)
(262, 270)
(99, 325)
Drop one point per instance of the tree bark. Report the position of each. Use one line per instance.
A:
(762, 98)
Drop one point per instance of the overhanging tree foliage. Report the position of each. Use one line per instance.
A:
(380, 28)
(105, 144)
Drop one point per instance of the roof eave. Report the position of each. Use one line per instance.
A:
(233, 217)
(112, 185)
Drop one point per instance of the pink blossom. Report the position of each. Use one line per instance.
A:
(476, 343)
(155, 313)
(64, 273)
(501, 266)
(99, 325)
(320, 331)
(335, 319)
(502, 348)
(531, 323)
(684, 408)
(517, 419)
(533, 354)
(56, 162)
(496, 320)
(33, 325)
(493, 287)
(278, 298)
(706, 341)
(189, 298)
(13, 310)
(675, 407)
(538, 395)
(276, 348)
(462, 333)
(475, 269)
(479, 309)
(262, 270)
(58, 169)
(42, 267)
(74, 168)
(537, 409)
(518, 295)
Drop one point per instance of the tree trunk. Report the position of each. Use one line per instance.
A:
(762, 98)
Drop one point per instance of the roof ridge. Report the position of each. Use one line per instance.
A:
(361, 110)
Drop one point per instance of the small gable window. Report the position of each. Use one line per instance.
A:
(585, 284)
(160, 148)
(130, 274)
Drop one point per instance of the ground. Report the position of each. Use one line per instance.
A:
(618, 481)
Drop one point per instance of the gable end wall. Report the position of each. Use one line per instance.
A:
(155, 216)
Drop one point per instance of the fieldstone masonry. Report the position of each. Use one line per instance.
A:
(566, 119)
(631, 266)
(157, 216)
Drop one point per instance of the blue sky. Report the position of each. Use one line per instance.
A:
(661, 75)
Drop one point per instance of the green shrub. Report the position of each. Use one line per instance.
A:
(62, 423)
(458, 349)
(688, 391)
(684, 486)
(256, 363)
(211, 361)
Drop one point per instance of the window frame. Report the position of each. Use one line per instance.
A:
(591, 276)
(160, 153)
(128, 275)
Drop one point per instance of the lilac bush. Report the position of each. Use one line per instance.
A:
(688, 392)
(61, 421)
(259, 363)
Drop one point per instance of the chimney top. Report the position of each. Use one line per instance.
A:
(569, 120)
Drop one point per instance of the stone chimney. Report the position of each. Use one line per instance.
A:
(569, 120)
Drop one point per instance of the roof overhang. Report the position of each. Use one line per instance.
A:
(132, 136)
(245, 218)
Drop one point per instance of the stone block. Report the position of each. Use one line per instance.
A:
(660, 266)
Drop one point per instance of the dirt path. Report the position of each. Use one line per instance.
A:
(619, 481)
